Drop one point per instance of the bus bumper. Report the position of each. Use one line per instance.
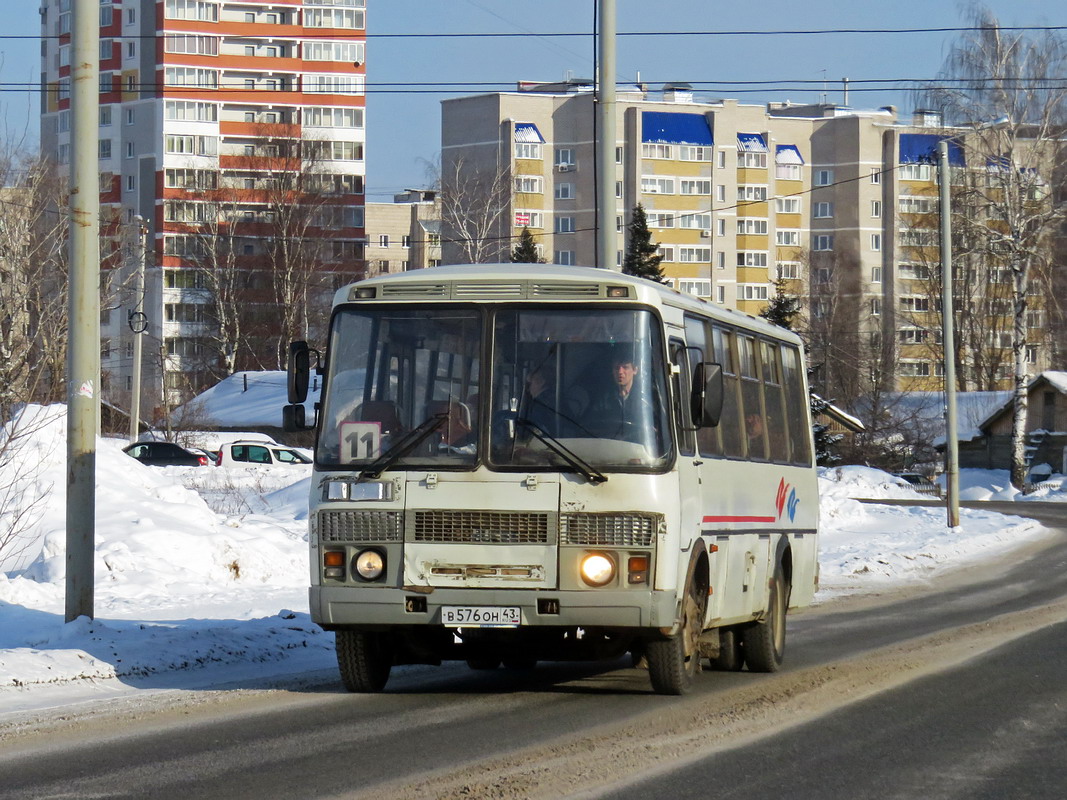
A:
(345, 606)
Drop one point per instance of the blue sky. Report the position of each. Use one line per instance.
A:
(404, 128)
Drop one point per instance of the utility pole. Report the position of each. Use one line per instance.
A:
(952, 452)
(137, 323)
(83, 341)
(607, 239)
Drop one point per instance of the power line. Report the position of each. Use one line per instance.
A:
(361, 34)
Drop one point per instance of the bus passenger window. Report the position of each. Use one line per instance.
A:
(751, 402)
(730, 423)
(796, 403)
(772, 399)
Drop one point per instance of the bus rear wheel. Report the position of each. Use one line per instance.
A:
(763, 643)
(364, 660)
(674, 662)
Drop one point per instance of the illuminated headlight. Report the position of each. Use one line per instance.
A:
(597, 569)
(369, 565)
(336, 490)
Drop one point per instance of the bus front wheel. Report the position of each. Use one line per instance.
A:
(674, 662)
(763, 643)
(364, 660)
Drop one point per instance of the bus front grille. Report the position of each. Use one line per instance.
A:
(609, 530)
(359, 526)
(481, 527)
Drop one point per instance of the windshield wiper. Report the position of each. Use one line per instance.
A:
(407, 443)
(575, 461)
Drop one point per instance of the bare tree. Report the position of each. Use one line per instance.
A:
(475, 203)
(1007, 86)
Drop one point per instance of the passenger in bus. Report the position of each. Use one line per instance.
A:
(754, 430)
(623, 410)
(538, 404)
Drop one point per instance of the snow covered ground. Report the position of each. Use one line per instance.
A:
(201, 572)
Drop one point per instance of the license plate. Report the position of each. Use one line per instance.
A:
(481, 616)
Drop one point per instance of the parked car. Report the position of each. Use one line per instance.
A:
(250, 454)
(164, 454)
(920, 483)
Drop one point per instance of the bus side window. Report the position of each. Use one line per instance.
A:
(696, 332)
(796, 403)
(682, 387)
(751, 400)
(731, 425)
(773, 403)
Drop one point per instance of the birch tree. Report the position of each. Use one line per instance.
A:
(1005, 89)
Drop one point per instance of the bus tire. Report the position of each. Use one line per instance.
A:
(763, 643)
(730, 658)
(364, 660)
(673, 662)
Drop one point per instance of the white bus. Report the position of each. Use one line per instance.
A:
(517, 463)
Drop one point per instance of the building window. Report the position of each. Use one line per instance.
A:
(787, 205)
(824, 210)
(752, 291)
(131, 183)
(787, 270)
(876, 306)
(916, 172)
(876, 175)
(823, 242)
(720, 260)
(564, 191)
(751, 258)
(129, 150)
(528, 150)
(751, 227)
(720, 295)
(565, 257)
(699, 287)
(746, 160)
(657, 185)
(876, 209)
(876, 274)
(104, 148)
(383, 240)
(787, 172)
(824, 177)
(720, 193)
(694, 255)
(689, 152)
(751, 193)
(787, 238)
(655, 151)
(688, 186)
(529, 184)
(720, 227)
(565, 157)
(564, 224)
(876, 241)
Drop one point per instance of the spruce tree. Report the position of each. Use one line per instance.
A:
(525, 251)
(783, 307)
(642, 257)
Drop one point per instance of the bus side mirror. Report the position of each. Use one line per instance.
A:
(293, 418)
(707, 399)
(299, 373)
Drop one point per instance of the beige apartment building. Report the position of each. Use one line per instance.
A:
(834, 201)
(404, 234)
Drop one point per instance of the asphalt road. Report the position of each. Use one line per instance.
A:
(956, 692)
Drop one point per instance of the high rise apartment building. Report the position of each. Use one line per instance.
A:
(218, 119)
(834, 201)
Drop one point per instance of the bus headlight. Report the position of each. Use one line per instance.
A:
(369, 565)
(597, 569)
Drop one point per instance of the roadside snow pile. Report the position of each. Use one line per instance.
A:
(864, 547)
(176, 584)
(995, 484)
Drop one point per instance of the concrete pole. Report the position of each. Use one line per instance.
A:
(136, 323)
(83, 341)
(607, 238)
(952, 452)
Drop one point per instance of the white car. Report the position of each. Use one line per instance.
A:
(252, 454)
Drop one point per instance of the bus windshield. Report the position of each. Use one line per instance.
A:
(568, 389)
